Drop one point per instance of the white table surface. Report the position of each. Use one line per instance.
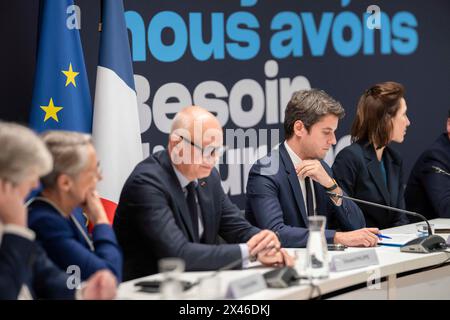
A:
(391, 262)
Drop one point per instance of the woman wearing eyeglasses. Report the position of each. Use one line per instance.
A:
(369, 168)
(55, 214)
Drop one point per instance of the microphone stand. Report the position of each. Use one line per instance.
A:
(424, 244)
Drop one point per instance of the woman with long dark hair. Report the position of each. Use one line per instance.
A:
(369, 168)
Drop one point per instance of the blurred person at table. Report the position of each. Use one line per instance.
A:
(55, 213)
(428, 189)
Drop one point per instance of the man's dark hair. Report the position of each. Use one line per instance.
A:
(309, 106)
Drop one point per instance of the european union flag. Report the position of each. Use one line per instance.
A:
(61, 98)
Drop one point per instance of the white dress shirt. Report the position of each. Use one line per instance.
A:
(296, 161)
(183, 183)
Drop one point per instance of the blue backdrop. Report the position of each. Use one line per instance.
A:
(243, 58)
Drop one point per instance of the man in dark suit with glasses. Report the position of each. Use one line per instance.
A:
(173, 205)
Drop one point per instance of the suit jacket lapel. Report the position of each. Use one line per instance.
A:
(393, 174)
(293, 181)
(177, 193)
(207, 208)
(373, 166)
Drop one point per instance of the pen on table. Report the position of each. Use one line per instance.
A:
(379, 235)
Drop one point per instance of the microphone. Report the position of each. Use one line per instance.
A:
(282, 277)
(231, 266)
(154, 286)
(439, 170)
(278, 278)
(425, 244)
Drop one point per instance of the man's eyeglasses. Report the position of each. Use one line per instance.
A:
(208, 151)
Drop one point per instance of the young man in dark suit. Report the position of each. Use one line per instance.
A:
(173, 205)
(288, 185)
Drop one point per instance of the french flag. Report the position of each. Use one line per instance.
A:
(116, 132)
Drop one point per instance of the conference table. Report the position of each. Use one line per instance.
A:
(398, 275)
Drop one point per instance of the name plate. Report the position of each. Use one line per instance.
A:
(245, 286)
(354, 260)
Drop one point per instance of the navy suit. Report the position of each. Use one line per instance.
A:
(23, 262)
(66, 246)
(428, 192)
(153, 221)
(275, 201)
(358, 172)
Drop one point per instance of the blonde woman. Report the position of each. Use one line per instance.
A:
(55, 213)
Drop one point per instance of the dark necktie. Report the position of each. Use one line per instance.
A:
(192, 205)
(309, 197)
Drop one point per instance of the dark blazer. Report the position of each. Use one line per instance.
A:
(152, 221)
(275, 201)
(428, 192)
(66, 246)
(357, 171)
(24, 262)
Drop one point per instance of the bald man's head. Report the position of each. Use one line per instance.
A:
(189, 116)
(195, 138)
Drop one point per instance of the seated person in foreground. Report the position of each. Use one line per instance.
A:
(55, 213)
(291, 182)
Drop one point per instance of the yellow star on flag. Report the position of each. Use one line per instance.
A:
(51, 111)
(70, 74)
